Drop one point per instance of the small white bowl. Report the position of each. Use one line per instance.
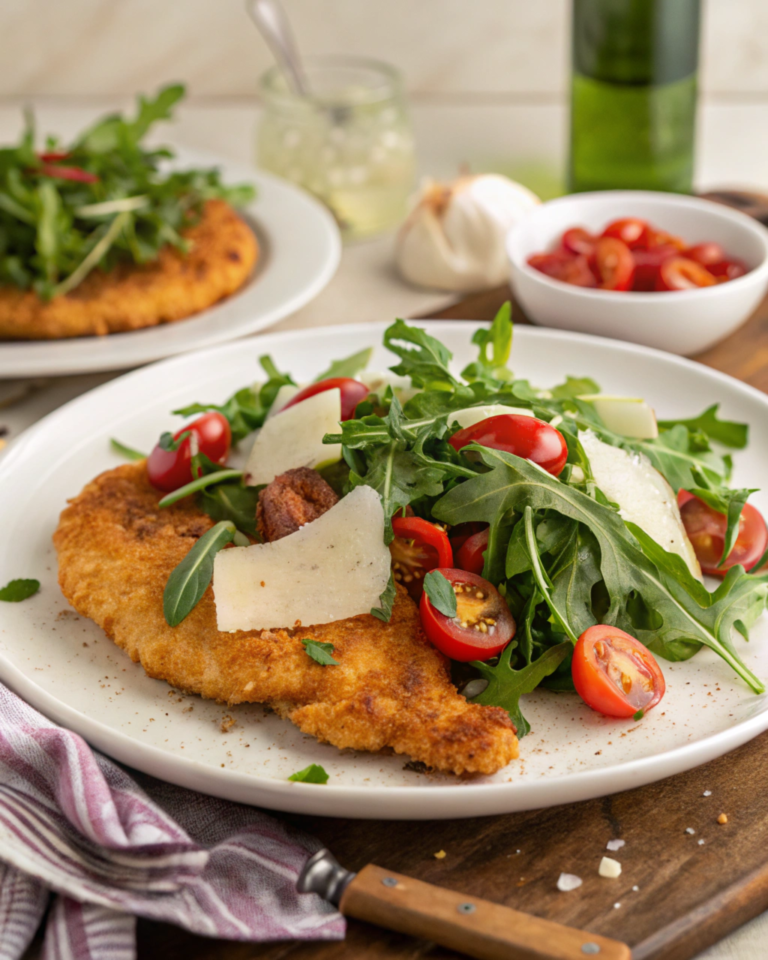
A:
(681, 321)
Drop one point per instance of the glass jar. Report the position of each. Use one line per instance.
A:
(350, 143)
(633, 94)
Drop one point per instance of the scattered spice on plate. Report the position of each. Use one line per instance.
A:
(227, 722)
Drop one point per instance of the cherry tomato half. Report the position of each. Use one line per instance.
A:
(55, 172)
(170, 469)
(615, 674)
(705, 253)
(658, 238)
(706, 530)
(648, 263)
(679, 273)
(525, 437)
(352, 392)
(483, 625)
(578, 240)
(564, 266)
(462, 532)
(471, 554)
(629, 230)
(727, 269)
(613, 264)
(419, 546)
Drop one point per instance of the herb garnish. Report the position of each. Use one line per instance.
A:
(321, 653)
(441, 593)
(189, 581)
(128, 452)
(314, 773)
(17, 590)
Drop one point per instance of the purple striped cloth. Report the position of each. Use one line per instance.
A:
(108, 847)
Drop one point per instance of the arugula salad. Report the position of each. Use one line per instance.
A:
(503, 514)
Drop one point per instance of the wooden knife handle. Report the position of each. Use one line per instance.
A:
(476, 927)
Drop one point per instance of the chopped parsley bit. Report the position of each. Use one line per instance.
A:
(639, 715)
(18, 590)
(320, 652)
(314, 773)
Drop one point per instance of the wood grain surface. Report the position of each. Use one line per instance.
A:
(676, 895)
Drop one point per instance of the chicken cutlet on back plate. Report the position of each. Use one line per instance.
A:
(391, 689)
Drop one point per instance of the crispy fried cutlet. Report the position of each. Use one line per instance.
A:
(391, 689)
(132, 296)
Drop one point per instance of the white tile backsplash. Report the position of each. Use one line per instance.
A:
(484, 49)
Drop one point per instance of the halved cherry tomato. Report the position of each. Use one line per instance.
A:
(615, 674)
(56, 172)
(352, 392)
(170, 469)
(705, 253)
(526, 437)
(613, 264)
(660, 238)
(578, 240)
(727, 270)
(706, 530)
(679, 273)
(54, 156)
(647, 265)
(630, 230)
(483, 625)
(471, 554)
(419, 546)
(459, 534)
(565, 266)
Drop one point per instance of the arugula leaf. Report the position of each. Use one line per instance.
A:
(314, 773)
(497, 337)
(506, 685)
(348, 367)
(426, 363)
(574, 575)
(728, 432)
(128, 452)
(321, 653)
(171, 444)
(189, 581)
(17, 590)
(233, 502)
(441, 593)
(575, 387)
(724, 500)
(628, 566)
(387, 601)
(207, 480)
(542, 579)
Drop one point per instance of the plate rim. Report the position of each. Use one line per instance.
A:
(357, 801)
(82, 355)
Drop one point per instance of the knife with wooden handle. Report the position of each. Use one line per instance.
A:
(467, 924)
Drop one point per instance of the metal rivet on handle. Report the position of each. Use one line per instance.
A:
(590, 948)
(389, 882)
(466, 908)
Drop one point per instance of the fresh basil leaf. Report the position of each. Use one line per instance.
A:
(506, 685)
(314, 773)
(190, 579)
(728, 432)
(441, 593)
(321, 653)
(207, 480)
(348, 367)
(128, 452)
(17, 590)
(387, 601)
(627, 569)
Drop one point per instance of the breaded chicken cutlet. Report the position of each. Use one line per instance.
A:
(132, 296)
(391, 688)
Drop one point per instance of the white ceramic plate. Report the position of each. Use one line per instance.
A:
(300, 250)
(66, 667)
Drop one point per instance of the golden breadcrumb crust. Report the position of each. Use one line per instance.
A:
(391, 689)
(133, 296)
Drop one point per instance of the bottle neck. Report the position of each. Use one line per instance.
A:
(637, 42)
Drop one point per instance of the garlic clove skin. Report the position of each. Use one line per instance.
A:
(454, 238)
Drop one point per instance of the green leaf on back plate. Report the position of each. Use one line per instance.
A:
(727, 432)
(441, 593)
(128, 452)
(506, 685)
(321, 653)
(18, 590)
(189, 581)
(314, 773)
(387, 601)
(348, 367)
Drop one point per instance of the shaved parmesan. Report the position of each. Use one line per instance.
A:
(284, 395)
(643, 495)
(294, 438)
(627, 416)
(469, 416)
(333, 568)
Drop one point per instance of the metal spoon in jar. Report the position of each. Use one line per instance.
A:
(271, 20)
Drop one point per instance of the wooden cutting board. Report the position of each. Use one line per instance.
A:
(676, 895)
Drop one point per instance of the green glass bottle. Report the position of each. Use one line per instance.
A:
(633, 94)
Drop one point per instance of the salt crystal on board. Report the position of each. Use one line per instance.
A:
(615, 845)
(609, 868)
(568, 881)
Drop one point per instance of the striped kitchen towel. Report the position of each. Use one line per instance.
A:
(108, 847)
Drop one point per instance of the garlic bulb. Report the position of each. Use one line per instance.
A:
(454, 238)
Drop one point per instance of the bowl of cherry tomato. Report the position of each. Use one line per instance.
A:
(664, 270)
